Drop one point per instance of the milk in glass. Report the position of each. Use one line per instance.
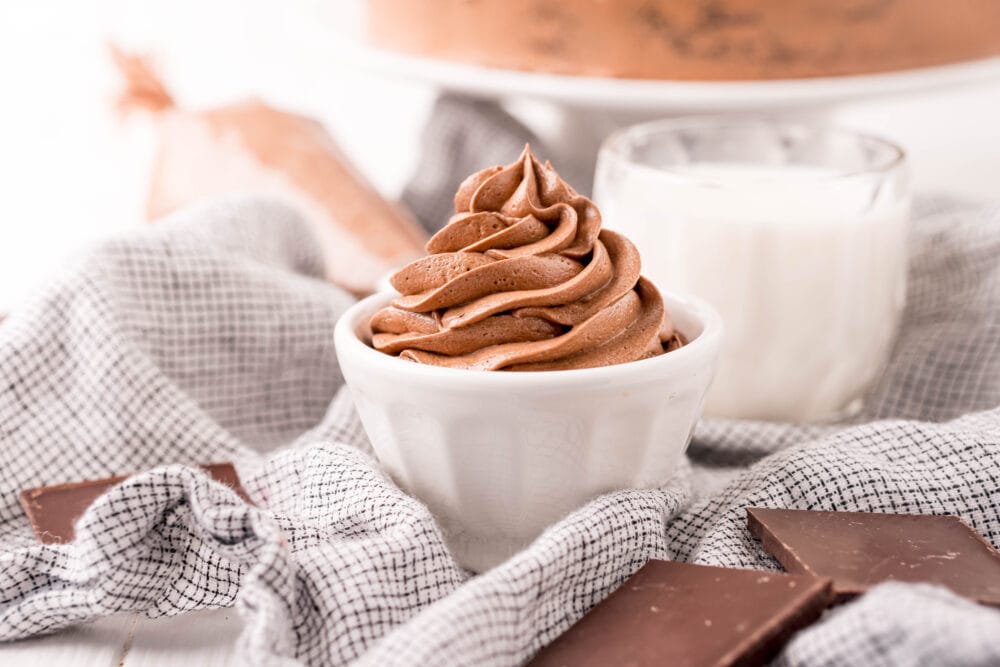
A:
(805, 261)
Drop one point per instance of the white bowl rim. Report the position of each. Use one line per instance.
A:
(706, 343)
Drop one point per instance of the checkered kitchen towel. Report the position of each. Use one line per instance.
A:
(209, 337)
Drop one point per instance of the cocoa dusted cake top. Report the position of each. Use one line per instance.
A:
(691, 39)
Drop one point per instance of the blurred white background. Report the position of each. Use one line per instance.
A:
(73, 172)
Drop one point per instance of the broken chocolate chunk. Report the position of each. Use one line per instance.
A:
(858, 550)
(673, 613)
(54, 510)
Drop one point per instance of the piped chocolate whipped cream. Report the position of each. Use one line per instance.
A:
(523, 278)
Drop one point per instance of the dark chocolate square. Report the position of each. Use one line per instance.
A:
(681, 614)
(54, 510)
(858, 550)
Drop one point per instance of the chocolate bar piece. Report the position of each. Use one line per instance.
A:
(673, 613)
(54, 510)
(858, 550)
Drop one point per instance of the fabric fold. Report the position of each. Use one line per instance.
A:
(210, 338)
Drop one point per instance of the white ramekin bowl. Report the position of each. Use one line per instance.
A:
(499, 456)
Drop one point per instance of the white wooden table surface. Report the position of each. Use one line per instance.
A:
(194, 639)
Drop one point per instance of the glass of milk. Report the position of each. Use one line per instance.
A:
(795, 232)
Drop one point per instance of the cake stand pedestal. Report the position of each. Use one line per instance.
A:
(573, 114)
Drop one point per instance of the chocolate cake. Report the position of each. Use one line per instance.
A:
(691, 39)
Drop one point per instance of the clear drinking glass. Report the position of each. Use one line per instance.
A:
(796, 233)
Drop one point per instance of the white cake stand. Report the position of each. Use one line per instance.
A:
(644, 96)
(573, 114)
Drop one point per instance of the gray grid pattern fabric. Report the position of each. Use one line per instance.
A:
(208, 338)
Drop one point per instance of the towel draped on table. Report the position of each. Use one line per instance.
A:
(208, 337)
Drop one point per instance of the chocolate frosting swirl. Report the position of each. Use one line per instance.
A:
(523, 278)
